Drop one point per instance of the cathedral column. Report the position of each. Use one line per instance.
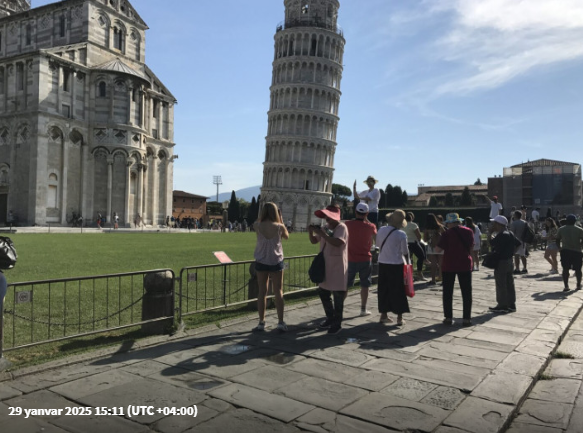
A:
(155, 189)
(140, 192)
(109, 187)
(82, 192)
(73, 80)
(130, 105)
(129, 163)
(64, 172)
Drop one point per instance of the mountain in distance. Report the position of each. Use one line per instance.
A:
(245, 193)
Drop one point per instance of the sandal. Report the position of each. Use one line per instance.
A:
(400, 322)
(467, 322)
(386, 320)
(447, 322)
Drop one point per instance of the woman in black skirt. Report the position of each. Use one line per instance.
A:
(391, 287)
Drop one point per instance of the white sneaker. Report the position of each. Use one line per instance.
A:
(364, 312)
(259, 328)
(282, 327)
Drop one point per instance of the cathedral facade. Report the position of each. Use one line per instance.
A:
(303, 112)
(85, 126)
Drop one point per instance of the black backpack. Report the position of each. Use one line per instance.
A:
(528, 235)
(8, 254)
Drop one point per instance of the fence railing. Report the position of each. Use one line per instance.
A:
(209, 287)
(51, 310)
(46, 311)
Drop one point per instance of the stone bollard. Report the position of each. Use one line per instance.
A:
(158, 302)
(253, 289)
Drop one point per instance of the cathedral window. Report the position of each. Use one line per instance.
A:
(19, 76)
(28, 34)
(52, 196)
(62, 26)
(66, 80)
(102, 91)
(155, 109)
(2, 78)
(118, 38)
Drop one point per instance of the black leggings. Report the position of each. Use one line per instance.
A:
(419, 251)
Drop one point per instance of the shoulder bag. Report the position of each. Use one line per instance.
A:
(317, 271)
(8, 254)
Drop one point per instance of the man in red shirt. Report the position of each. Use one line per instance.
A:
(457, 244)
(361, 235)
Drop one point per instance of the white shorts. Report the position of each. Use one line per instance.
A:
(520, 251)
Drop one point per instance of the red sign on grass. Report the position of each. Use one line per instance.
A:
(222, 256)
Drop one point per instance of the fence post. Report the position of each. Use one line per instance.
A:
(225, 285)
(4, 363)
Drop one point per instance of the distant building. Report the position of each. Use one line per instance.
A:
(186, 205)
(425, 193)
(85, 125)
(543, 183)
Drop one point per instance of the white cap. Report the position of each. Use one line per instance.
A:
(500, 220)
(362, 208)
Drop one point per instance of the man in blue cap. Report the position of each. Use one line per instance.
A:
(570, 241)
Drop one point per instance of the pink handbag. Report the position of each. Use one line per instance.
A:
(408, 280)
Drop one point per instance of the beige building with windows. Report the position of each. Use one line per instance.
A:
(85, 125)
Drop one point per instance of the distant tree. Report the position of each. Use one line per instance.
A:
(214, 208)
(340, 193)
(404, 199)
(478, 182)
(466, 198)
(383, 198)
(234, 207)
(253, 212)
(449, 199)
(433, 201)
(244, 206)
(388, 195)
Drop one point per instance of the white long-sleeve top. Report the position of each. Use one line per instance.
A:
(395, 247)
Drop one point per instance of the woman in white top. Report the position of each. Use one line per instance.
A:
(469, 223)
(414, 243)
(392, 242)
(269, 261)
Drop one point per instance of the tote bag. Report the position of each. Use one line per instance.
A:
(408, 279)
(317, 271)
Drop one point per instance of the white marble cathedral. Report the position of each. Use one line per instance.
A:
(303, 113)
(85, 125)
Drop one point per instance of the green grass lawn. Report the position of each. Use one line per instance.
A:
(53, 256)
(68, 308)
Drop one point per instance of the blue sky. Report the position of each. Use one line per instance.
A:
(436, 92)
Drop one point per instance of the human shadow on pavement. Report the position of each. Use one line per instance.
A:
(545, 296)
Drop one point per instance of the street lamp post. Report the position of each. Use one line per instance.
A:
(217, 181)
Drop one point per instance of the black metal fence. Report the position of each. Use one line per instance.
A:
(209, 287)
(51, 310)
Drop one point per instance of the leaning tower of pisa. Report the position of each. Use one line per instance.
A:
(303, 111)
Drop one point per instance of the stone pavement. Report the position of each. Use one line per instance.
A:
(423, 377)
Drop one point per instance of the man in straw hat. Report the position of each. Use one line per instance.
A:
(457, 243)
(333, 239)
(391, 287)
(504, 243)
(371, 197)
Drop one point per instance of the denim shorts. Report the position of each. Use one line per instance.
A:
(364, 270)
(260, 267)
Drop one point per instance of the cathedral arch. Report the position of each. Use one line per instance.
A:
(119, 36)
(4, 174)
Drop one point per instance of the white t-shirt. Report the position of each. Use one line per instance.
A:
(374, 196)
(477, 238)
(395, 247)
(535, 215)
(495, 209)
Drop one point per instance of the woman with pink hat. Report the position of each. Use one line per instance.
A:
(333, 239)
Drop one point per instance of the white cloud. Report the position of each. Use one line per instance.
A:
(495, 41)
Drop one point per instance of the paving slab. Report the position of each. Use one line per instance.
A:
(409, 389)
(54, 377)
(396, 413)
(7, 392)
(243, 421)
(371, 380)
(30, 425)
(145, 392)
(545, 413)
(519, 427)
(566, 368)
(523, 364)
(272, 405)
(268, 378)
(342, 356)
(503, 387)
(185, 378)
(556, 390)
(322, 393)
(322, 421)
(477, 415)
(325, 369)
(42, 399)
(98, 424)
(444, 397)
(93, 384)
